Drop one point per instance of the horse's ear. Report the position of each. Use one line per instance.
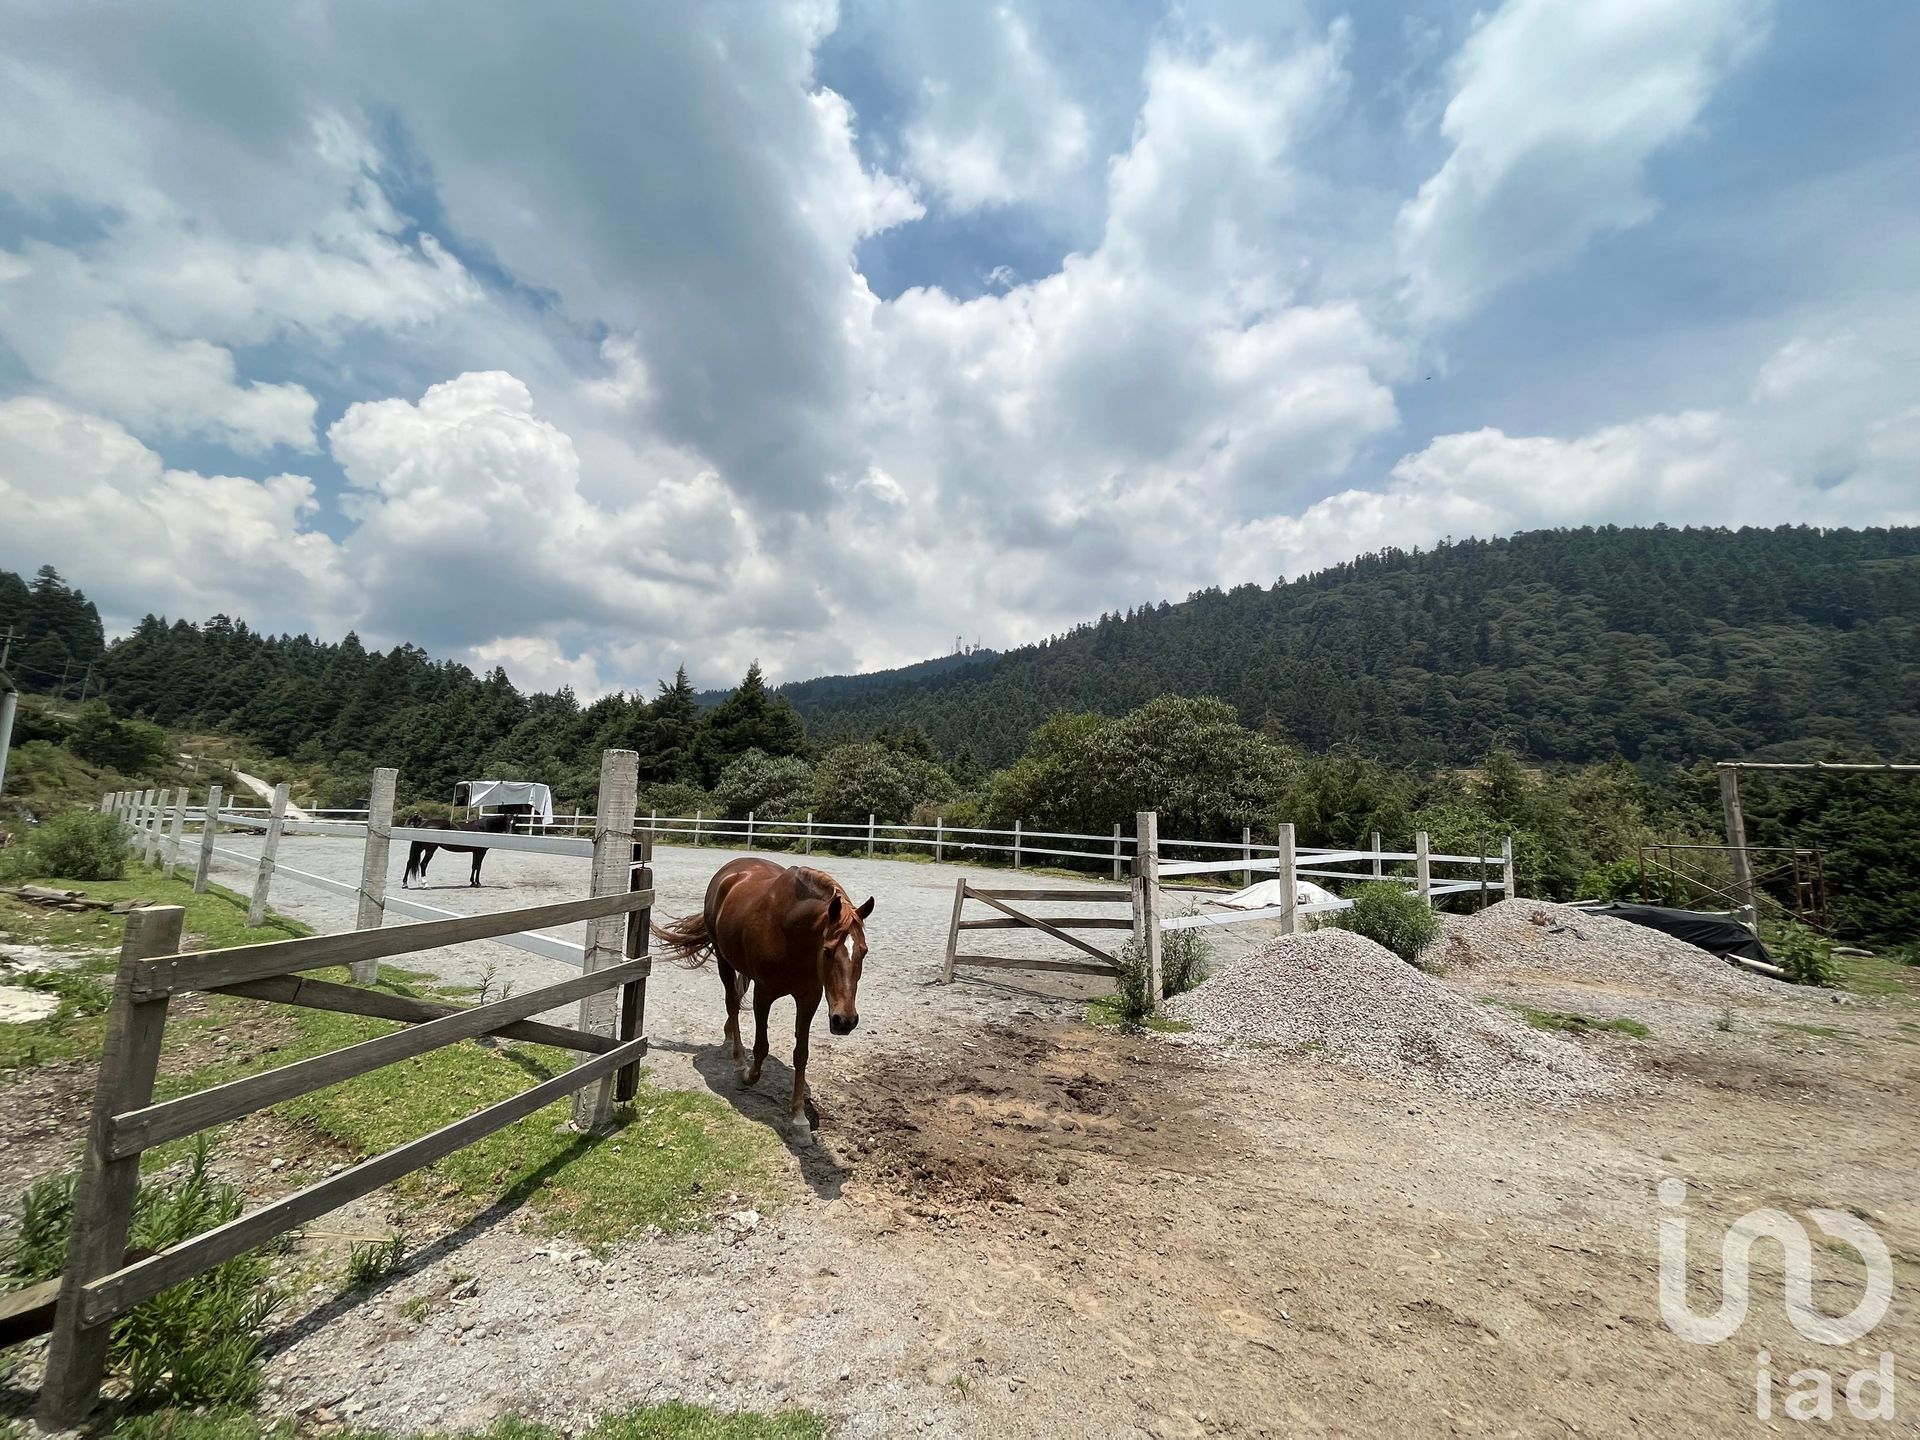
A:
(833, 912)
(866, 909)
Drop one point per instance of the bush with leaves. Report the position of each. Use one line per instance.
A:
(1391, 917)
(1185, 960)
(765, 785)
(1805, 955)
(197, 1343)
(80, 845)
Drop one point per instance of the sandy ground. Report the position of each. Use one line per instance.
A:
(1013, 1224)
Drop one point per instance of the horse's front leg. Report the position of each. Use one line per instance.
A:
(478, 857)
(801, 1116)
(762, 1005)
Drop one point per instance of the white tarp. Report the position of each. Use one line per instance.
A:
(511, 792)
(1266, 895)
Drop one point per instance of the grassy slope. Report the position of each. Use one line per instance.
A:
(646, 1422)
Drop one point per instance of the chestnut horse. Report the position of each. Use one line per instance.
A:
(421, 851)
(786, 930)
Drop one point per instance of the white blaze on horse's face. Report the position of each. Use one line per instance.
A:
(842, 958)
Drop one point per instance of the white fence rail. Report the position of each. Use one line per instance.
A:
(157, 821)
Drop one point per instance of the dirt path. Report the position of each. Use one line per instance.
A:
(1016, 1225)
(265, 792)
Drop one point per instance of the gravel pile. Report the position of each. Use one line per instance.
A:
(1537, 937)
(1369, 1009)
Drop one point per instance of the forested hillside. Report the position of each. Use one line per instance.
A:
(1585, 676)
(1566, 644)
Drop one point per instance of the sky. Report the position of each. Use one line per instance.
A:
(598, 339)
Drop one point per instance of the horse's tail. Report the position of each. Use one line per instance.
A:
(686, 939)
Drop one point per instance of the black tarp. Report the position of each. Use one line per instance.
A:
(1713, 933)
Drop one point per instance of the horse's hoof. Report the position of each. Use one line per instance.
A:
(799, 1132)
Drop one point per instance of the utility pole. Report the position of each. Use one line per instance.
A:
(66, 667)
(7, 702)
(85, 680)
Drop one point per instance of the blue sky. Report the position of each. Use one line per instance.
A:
(597, 341)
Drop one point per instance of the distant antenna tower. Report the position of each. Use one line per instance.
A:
(956, 644)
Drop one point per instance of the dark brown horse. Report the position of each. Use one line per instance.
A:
(786, 930)
(421, 851)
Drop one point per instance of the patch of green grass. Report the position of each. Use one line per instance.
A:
(1874, 975)
(369, 1264)
(645, 1422)
(214, 921)
(1110, 1011)
(1572, 1023)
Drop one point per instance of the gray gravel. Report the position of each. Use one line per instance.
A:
(1366, 1008)
(1537, 937)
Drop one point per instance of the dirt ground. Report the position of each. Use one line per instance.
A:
(1014, 1224)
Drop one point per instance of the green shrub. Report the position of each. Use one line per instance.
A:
(1805, 955)
(1185, 960)
(80, 845)
(194, 1344)
(1390, 916)
(369, 1264)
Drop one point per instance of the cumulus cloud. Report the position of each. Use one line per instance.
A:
(1555, 111)
(570, 328)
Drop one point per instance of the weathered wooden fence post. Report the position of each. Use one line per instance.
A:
(1116, 849)
(1016, 845)
(144, 825)
(106, 803)
(606, 937)
(1377, 862)
(953, 930)
(809, 849)
(104, 1195)
(157, 829)
(173, 830)
(698, 816)
(1737, 842)
(1246, 854)
(1146, 897)
(869, 835)
(263, 875)
(375, 859)
(1289, 882)
(633, 994)
(1480, 849)
(209, 830)
(1422, 868)
(1506, 868)
(749, 829)
(939, 838)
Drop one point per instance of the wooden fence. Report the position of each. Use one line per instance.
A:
(99, 1283)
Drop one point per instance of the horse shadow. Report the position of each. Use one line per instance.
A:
(766, 1104)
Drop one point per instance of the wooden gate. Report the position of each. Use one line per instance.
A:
(1097, 961)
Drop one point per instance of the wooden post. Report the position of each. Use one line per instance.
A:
(1377, 862)
(1422, 868)
(1116, 849)
(953, 930)
(209, 829)
(633, 994)
(1146, 898)
(606, 939)
(106, 803)
(698, 816)
(173, 831)
(1246, 854)
(809, 849)
(1016, 844)
(263, 875)
(143, 825)
(1289, 882)
(1737, 842)
(1506, 868)
(375, 860)
(157, 829)
(103, 1197)
(869, 835)
(939, 838)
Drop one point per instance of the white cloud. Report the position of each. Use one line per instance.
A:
(1556, 110)
(994, 124)
(81, 490)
